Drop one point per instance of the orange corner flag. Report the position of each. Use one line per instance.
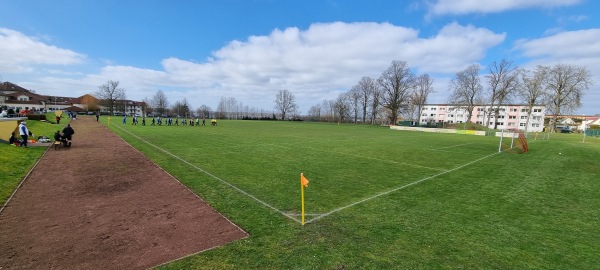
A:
(303, 180)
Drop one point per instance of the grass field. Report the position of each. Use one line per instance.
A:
(381, 199)
(384, 199)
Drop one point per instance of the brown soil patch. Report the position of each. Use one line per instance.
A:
(103, 205)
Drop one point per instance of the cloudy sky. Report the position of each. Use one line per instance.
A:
(249, 49)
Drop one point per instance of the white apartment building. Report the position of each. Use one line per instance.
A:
(511, 117)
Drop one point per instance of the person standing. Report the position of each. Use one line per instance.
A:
(97, 116)
(143, 120)
(24, 132)
(124, 119)
(68, 132)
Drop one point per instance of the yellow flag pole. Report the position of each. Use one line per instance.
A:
(302, 192)
(108, 125)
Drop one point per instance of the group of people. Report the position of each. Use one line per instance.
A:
(170, 121)
(66, 136)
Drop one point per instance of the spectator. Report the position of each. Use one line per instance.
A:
(59, 138)
(68, 132)
(24, 132)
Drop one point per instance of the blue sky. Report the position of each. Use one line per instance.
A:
(204, 50)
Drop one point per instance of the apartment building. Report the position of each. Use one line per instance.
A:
(511, 117)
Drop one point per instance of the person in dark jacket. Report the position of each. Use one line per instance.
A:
(68, 132)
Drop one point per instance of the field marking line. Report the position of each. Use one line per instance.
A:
(213, 176)
(378, 159)
(397, 188)
(452, 146)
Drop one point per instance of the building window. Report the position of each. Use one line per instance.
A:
(513, 110)
(524, 110)
(523, 117)
(537, 110)
(522, 124)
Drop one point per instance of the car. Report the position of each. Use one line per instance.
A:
(565, 130)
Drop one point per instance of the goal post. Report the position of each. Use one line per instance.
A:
(513, 142)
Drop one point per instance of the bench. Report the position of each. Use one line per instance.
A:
(57, 145)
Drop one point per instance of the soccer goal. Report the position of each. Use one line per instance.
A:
(512, 142)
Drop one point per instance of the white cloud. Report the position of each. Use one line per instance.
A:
(318, 62)
(460, 7)
(580, 48)
(314, 64)
(570, 46)
(20, 53)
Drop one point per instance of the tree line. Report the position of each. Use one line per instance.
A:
(399, 92)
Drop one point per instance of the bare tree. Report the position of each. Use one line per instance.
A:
(366, 86)
(531, 88)
(181, 108)
(422, 90)
(110, 95)
(285, 102)
(355, 99)
(314, 112)
(342, 107)
(160, 103)
(375, 102)
(396, 83)
(466, 89)
(566, 86)
(203, 111)
(502, 80)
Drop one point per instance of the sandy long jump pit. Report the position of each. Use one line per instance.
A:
(103, 205)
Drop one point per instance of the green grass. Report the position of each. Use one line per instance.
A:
(481, 210)
(505, 211)
(17, 162)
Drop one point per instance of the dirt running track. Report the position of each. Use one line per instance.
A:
(104, 205)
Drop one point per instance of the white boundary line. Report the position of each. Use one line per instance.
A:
(213, 176)
(451, 146)
(397, 188)
(319, 216)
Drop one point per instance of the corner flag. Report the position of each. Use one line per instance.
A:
(303, 184)
(303, 180)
